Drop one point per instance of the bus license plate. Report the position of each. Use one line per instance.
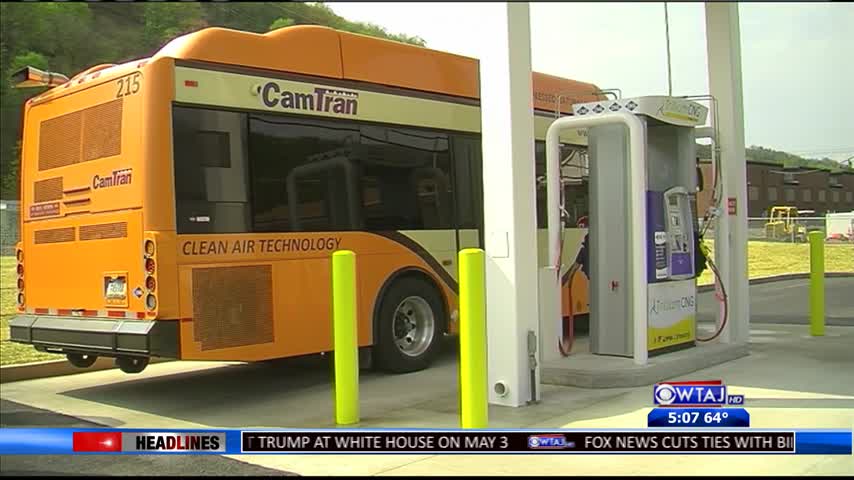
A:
(116, 289)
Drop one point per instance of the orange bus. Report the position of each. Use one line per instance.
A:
(186, 205)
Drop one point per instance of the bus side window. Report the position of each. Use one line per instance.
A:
(540, 179)
(468, 181)
(405, 179)
(433, 192)
(575, 191)
(372, 204)
(286, 146)
(310, 211)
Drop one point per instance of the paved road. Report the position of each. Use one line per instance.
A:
(787, 302)
(16, 415)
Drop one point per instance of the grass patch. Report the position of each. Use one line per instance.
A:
(13, 353)
(766, 259)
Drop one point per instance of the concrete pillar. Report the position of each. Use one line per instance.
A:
(724, 52)
(509, 200)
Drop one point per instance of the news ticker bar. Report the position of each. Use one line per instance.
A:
(44, 441)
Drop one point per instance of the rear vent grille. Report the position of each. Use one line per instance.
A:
(232, 306)
(89, 134)
(104, 230)
(102, 130)
(59, 141)
(55, 235)
(47, 190)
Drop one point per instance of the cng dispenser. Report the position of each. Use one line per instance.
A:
(642, 175)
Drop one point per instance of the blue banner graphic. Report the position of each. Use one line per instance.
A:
(831, 442)
(698, 417)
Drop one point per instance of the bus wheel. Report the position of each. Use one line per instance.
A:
(81, 360)
(132, 364)
(410, 323)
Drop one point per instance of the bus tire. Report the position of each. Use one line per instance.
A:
(81, 360)
(132, 364)
(410, 322)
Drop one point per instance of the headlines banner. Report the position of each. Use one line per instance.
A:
(45, 441)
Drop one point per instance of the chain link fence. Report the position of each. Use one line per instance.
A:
(9, 214)
(791, 231)
(794, 230)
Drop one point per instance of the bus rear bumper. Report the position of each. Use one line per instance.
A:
(97, 336)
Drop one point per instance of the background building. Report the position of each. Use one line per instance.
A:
(770, 184)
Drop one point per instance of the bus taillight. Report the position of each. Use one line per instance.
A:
(149, 249)
(151, 302)
(19, 255)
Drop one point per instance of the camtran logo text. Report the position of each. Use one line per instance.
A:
(116, 178)
(694, 394)
(321, 99)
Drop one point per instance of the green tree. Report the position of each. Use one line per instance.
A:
(165, 21)
(784, 159)
(282, 23)
(32, 59)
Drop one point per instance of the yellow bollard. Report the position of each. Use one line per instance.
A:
(816, 283)
(473, 369)
(345, 337)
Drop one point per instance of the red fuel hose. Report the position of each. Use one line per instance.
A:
(564, 344)
(723, 299)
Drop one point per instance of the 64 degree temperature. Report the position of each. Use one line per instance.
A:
(715, 417)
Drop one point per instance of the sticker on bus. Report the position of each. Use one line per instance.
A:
(44, 210)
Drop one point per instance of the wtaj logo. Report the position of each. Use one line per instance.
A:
(549, 442)
(693, 394)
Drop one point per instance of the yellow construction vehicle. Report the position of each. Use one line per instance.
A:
(783, 225)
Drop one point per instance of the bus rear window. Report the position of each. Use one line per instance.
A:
(211, 171)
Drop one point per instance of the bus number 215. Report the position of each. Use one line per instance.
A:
(128, 85)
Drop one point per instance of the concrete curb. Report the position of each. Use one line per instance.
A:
(780, 278)
(55, 368)
(678, 364)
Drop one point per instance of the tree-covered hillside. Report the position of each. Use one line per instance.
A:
(785, 160)
(70, 37)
